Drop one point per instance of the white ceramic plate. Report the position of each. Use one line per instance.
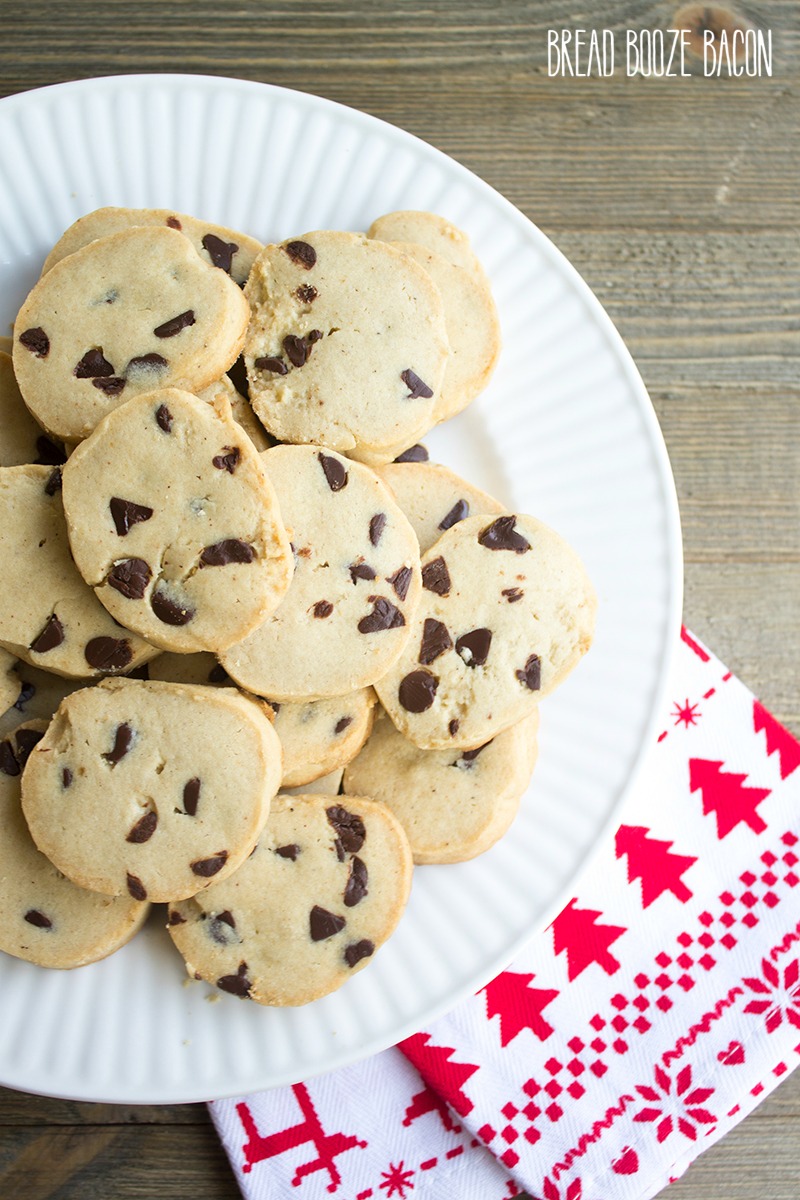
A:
(565, 431)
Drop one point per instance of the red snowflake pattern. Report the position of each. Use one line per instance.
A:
(683, 1108)
(396, 1180)
(686, 714)
(784, 996)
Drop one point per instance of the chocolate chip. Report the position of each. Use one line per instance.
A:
(112, 386)
(416, 387)
(174, 223)
(108, 654)
(473, 647)
(54, 482)
(218, 674)
(436, 577)
(221, 253)
(531, 673)
(51, 636)
(306, 292)
(339, 848)
(453, 726)
(228, 460)
(126, 514)
(51, 454)
(457, 513)
(26, 692)
(26, 739)
(8, 760)
(349, 827)
(301, 253)
(417, 690)
(323, 924)
(170, 611)
(377, 525)
(144, 828)
(34, 917)
(323, 608)
(291, 851)
(66, 778)
(358, 950)
(175, 324)
(147, 362)
(238, 984)
(334, 472)
(400, 581)
(468, 757)
(206, 867)
(435, 641)
(512, 594)
(231, 550)
(356, 888)
(175, 918)
(37, 341)
(136, 888)
(191, 795)
(342, 724)
(93, 365)
(222, 928)
(164, 418)
(384, 615)
(123, 739)
(270, 363)
(417, 453)
(130, 578)
(298, 349)
(501, 535)
(361, 571)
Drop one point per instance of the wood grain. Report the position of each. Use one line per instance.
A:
(677, 201)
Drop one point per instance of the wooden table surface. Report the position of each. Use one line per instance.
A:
(677, 201)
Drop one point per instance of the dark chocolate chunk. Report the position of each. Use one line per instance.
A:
(358, 950)
(416, 387)
(531, 673)
(467, 758)
(453, 726)
(339, 848)
(435, 641)
(291, 851)
(164, 418)
(8, 760)
(473, 647)
(417, 690)
(322, 609)
(323, 924)
(228, 460)
(50, 453)
(130, 578)
(144, 828)
(174, 223)
(306, 292)
(349, 827)
(54, 482)
(334, 470)
(218, 674)
(512, 594)
(34, 917)
(26, 739)
(271, 363)
(436, 577)
(66, 778)
(37, 341)
(384, 615)
(125, 514)
(26, 692)
(231, 550)
(107, 653)
(175, 324)
(123, 740)
(191, 795)
(175, 918)
(377, 525)
(136, 888)
(147, 362)
(301, 253)
(170, 611)
(221, 253)
(457, 513)
(238, 984)
(400, 581)
(361, 571)
(222, 928)
(93, 365)
(342, 724)
(295, 350)
(51, 636)
(416, 453)
(356, 887)
(501, 535)
(112, 386)
(206, 867)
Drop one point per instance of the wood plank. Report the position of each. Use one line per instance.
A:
(20, 1109)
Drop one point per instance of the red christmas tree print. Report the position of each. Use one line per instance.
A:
(428, 1101)
(433, 1063)
(518, 1006)
(778, 739)
(725, 794)
(651, 861)
(576, 932)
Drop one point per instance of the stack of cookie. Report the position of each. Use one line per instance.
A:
(327, 652)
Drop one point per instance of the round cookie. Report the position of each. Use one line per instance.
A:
(126, 314)
(434, 498)
(159, 788)
(346, 346)
(46, 919)
(9, 682)
(507, 610)
(173, 521)
(345, 618)
(232, 252)
(241, 411)
(21, 439)
(48, 616)
(324, 889)
(453, 804)
(429, 230)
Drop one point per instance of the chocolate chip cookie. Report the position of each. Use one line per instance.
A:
(434, 498)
